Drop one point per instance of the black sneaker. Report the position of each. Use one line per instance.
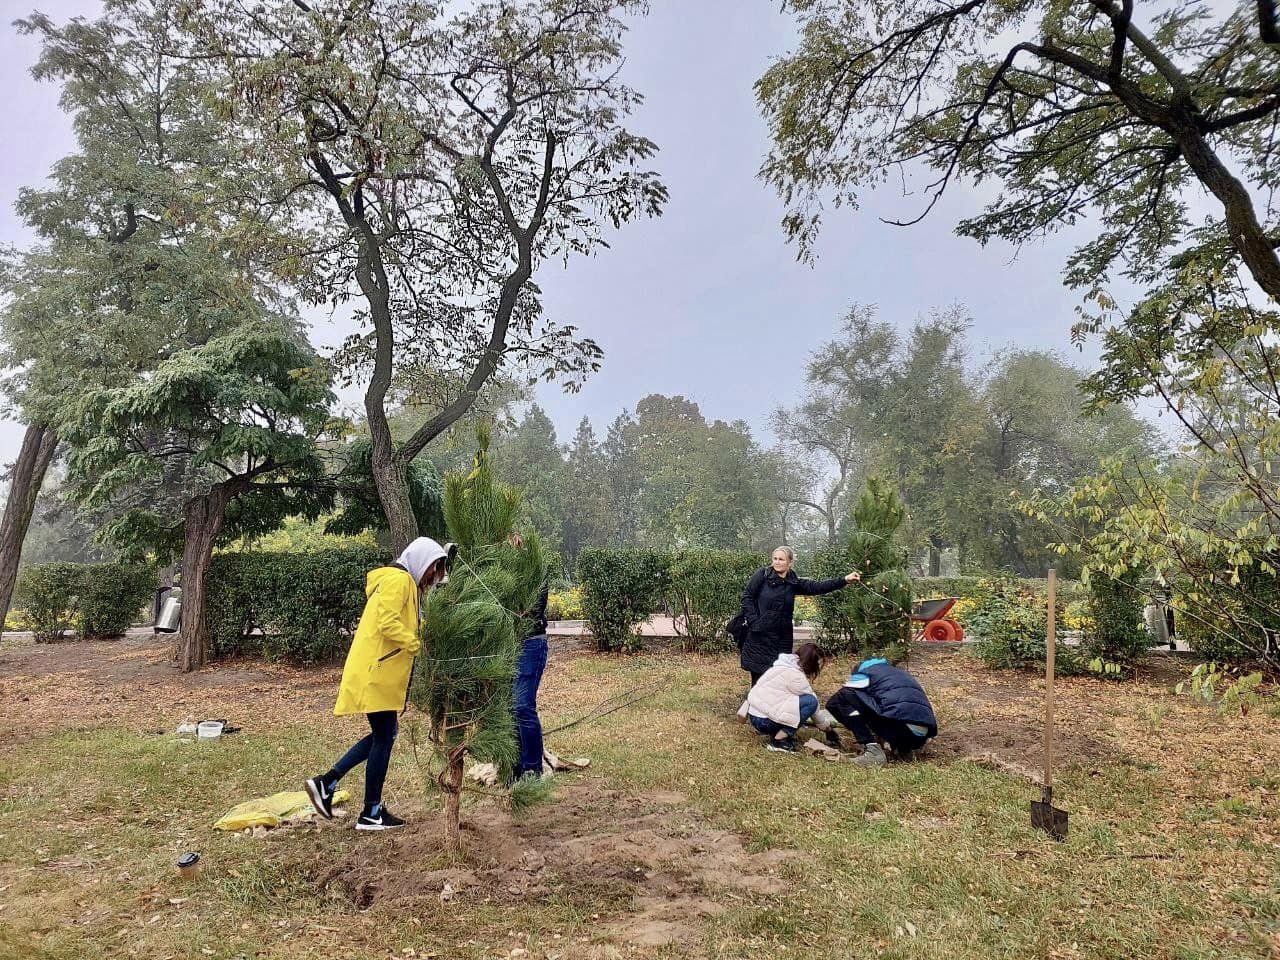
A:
(385, 820)
(321, 797)
(782, 746)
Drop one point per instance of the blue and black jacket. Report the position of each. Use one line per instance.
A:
(887, 691)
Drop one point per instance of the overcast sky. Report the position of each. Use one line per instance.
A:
(707, 301)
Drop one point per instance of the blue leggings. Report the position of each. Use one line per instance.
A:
(808, 707)
(375, 752)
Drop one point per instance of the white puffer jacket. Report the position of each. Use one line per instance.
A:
(776, 696)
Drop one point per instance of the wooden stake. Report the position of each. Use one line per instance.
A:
(1050, 651)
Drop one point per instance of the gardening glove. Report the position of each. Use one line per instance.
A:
(823, 720)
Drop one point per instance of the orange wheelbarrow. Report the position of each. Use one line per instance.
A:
(938, 626)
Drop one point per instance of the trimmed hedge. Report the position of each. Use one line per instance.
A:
(620, 589)
(623, 588)
(1069, 591)
(706, 587)
(111, 597)
(302, 607)
(49, 594)
(94, 600)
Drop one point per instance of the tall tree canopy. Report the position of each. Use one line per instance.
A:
(431, 156)
(224, 430)
(961, 446)
(1106, 108)
(141, 251)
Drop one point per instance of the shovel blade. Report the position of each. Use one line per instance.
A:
(1045, 816)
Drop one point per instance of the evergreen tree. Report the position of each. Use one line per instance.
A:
(531, 459)
(871, 616)
(589, 518)
(474, 625)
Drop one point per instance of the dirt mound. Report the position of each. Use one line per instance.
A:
(642, 860)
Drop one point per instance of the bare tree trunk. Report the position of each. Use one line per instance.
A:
(39, 444)
(204, 518)
(390, 470)
(391, 478)
(452, 803)
(935, 559)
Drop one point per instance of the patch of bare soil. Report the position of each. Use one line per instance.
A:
(642, 861)
(996, 717)
(133, 683)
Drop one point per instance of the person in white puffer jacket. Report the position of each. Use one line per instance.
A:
(783, 699)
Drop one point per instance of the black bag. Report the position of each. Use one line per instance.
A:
(738, 628)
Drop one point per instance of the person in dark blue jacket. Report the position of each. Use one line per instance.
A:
(882, 702)
(768, 607)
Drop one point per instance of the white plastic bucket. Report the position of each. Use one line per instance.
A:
(209, 729)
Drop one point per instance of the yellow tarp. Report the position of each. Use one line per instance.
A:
(273, 810)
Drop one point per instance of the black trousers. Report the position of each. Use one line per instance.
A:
(375, 752)
(867, 727)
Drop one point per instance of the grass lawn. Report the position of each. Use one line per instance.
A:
(684, 838)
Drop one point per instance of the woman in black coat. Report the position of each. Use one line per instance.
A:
(768, 604)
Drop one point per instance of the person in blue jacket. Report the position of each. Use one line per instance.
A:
(881, 702)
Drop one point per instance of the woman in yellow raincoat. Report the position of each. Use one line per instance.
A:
(375, 679)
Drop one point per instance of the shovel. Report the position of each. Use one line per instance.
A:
(1044, 815)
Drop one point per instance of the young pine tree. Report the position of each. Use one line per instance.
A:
(474, 625)
(870, 617)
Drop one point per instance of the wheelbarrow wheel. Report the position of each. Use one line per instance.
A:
(940, 631)
(959, 632)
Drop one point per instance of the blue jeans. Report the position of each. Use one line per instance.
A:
(808, 707)
(533, 660)
(375, 752)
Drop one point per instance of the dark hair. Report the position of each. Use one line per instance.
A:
(810, 659)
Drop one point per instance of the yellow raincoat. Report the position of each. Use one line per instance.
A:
(376, 675)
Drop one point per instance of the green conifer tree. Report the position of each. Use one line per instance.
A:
(474, 625)
(871, 617)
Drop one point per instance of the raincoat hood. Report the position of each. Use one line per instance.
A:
(419, 555)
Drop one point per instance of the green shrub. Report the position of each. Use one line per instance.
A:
(94, 600)
(1010, 621)
(50, 595)
(565, 604)
(1213, 635)
(620, 589)
(1229, 619)
(706, 588)
(112, 595)
(1116, 630)
(972, 587)
(287, 606)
